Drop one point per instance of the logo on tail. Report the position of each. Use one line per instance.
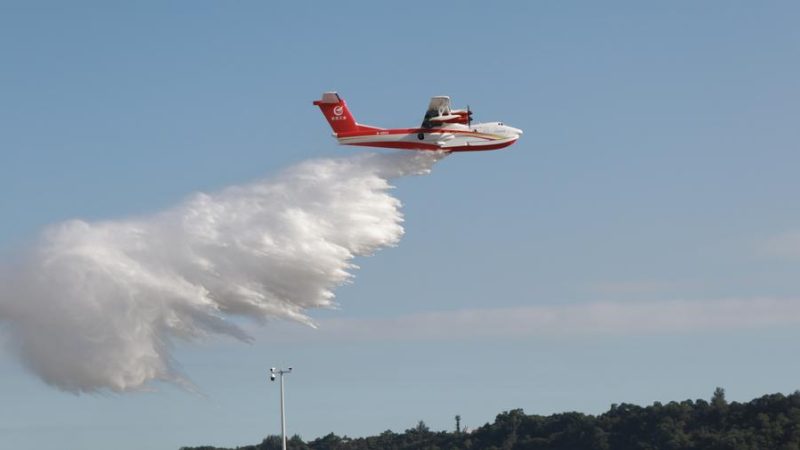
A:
(335, 110)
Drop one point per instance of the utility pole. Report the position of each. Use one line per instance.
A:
(272, 374)
(458, 423)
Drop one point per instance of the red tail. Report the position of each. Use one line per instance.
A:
(338, 115)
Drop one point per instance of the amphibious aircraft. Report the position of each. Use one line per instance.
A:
(442, 128)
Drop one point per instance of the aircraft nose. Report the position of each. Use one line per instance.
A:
(517, 130)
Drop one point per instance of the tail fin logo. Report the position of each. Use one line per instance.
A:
(338, 110)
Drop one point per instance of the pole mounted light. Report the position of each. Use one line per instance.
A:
(274, 373)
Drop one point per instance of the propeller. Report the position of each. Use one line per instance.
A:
(469, 117)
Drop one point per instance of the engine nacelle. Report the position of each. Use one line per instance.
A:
(464, 115)
(450, 118)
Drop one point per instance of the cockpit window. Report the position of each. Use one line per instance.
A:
(500, 123)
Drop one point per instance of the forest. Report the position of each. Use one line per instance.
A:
(768, 422)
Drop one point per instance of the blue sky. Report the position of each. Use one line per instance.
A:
(656, 180)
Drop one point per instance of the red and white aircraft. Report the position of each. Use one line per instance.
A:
(442, 128)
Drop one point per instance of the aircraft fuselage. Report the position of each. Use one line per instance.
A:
(442, 129)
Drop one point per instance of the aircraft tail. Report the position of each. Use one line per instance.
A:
(338, 115)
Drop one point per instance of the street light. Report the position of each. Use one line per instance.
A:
(273, 372)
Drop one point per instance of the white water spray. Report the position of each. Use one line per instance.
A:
(96, 305)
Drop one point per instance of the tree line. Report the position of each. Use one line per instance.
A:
(769, 422)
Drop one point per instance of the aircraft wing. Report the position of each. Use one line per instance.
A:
(439, 107)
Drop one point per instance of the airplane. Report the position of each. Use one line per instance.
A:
(442, 128)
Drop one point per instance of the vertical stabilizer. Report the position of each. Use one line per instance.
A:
(336, 113)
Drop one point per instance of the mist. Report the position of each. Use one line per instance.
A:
(96, 306)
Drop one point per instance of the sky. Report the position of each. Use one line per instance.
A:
(640, 243)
